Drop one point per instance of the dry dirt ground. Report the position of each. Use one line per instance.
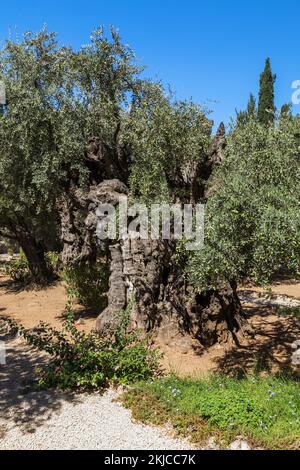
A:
(270, 347)
(269, 350)
(29, 306)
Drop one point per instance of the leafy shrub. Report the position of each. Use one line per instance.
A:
(252, 224)
(87, 284)
(17, 268)
(53, 261)
(10, 251)
(91, 361)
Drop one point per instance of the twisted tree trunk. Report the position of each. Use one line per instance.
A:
(146, 270)
(40, 273)
(18, 231)
(163, 300)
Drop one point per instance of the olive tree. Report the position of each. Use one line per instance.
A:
(164, 152)
(252, 214)
(29, 160)
(82, 128)
(57, 101)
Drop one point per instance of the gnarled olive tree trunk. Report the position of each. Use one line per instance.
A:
(40, 272)
(146, 271)
(163, 301)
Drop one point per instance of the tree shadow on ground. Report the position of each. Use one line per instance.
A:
(15, 287)
(12, 286)
(269, 350)
(80, 313)
(284, 279)
(19, 406)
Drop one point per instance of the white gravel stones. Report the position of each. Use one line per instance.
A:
(56, 420)
(239, 444)
(89, 422)
(268, 300)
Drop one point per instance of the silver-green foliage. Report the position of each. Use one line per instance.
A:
(58, 99)
(166, 136)
(252, 215)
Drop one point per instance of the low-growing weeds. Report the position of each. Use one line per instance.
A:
(266, 411)
(288, 311)
(17, 268)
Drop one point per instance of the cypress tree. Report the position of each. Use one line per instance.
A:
(251, 108)
(266, 106)
(243, 117)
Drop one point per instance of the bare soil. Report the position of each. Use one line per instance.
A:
(283, 286)
(269, 349)
(31, 306)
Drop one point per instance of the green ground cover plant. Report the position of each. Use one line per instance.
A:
(264, 410)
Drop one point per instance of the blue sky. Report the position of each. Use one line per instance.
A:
(210, 51)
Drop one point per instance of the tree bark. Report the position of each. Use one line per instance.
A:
(146, 271)
(164, 302)
(40, 272)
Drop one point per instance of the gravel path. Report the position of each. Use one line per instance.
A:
(267, 300)
(96, 422)
(53, 420)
